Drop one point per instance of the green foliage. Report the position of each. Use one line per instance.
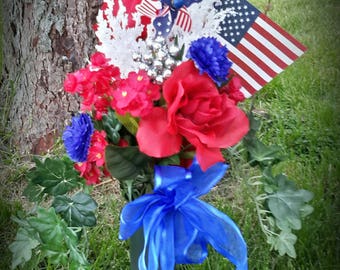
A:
(259, 153)
(284, 243)
(53, 177)
(172, 160)
(282, 205)
(287, 203)
(129, 122)
(55, 240)
(125, 163)
(55, 237)
(111, 125)
(22, 247)
(130, 167)
(79, 210)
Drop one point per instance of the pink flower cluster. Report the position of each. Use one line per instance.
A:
(135, 95)
(100, 86)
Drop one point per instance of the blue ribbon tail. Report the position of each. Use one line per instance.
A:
(218, 230)
(204, 181)
(152, 246)
(189, 247)
(133, 213)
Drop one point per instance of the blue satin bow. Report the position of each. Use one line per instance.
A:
(177, 225)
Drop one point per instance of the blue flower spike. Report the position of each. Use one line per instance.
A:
(178, 226)
(77, 137)
(210, 57)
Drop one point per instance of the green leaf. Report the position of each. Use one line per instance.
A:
(50, 227)
(77, 211)
(56, 176)
(133, 189)
(22, 247)
(34, 192)
(58, 242)
(285, 244)
(254, 126)
(129, 122)
(125, 163)
(172, 160)
(263, 154)
(55, 255)
(285, 206)
(259, 153)
(306, 210)
(278, 182)
(112, 126)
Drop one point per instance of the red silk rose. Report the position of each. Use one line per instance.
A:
(196, 111)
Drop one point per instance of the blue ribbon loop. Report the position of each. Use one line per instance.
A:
(177, 225)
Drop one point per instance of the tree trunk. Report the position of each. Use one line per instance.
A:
(44, 40)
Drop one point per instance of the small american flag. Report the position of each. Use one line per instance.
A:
(164, 21)
(149, 8)
(258, 47)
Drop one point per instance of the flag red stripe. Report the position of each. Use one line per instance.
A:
(256, 77)
(245, 84)
(264, 66)
(274, 41)
(184, 20)
(265, 50)
(283, 32)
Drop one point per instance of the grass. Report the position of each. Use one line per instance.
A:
(302, 116)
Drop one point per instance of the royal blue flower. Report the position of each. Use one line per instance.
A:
(77, 137)
(177, 226)
(210, 57)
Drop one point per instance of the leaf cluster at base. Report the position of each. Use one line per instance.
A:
(282, 205)
(55, 232)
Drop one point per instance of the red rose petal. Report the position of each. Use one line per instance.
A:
(153, 137)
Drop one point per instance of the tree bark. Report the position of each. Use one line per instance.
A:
(44, 40)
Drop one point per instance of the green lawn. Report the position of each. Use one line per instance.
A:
(300, 114)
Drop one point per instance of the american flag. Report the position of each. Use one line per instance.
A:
(164, 21)
(149, 8)
(258, 47)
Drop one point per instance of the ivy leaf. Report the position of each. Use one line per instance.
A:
(254, 126)
(259, 153)
(285, 244)
(34, 192)
(285, 206)
(22, 247)
(58, 242)
(278, 182)
(125, 163)
(306, 210)
(56, 176)
(50, 227)
(77, 211)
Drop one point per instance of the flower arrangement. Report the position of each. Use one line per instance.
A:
(163, 109)
(159, 101)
